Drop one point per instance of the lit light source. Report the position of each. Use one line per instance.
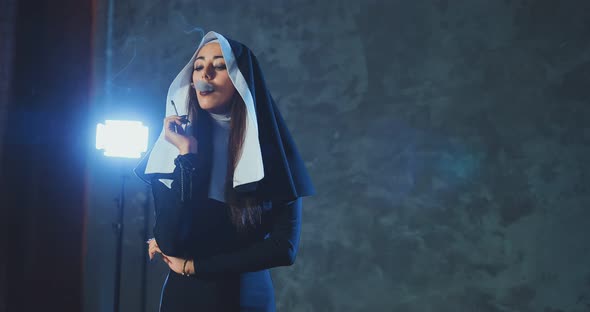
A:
(122, 138)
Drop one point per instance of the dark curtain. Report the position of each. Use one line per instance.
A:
(45, 89)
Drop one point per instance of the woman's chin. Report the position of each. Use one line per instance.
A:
(216, 109)
(207, 106)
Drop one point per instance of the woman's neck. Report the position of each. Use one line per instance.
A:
(220, 117)
(223, 120)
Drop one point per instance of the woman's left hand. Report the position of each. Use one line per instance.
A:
(176, 264)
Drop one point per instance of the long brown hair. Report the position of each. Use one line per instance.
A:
(245, 207)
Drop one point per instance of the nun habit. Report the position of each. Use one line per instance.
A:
(192, 216)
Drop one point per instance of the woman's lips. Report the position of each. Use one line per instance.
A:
(204, 93)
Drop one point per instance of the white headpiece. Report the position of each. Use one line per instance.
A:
(249, 166)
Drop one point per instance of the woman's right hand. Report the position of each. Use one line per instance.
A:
(186, 143)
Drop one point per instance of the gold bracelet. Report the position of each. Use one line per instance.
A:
(184, 268)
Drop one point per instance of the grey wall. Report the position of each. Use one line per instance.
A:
(448, 142)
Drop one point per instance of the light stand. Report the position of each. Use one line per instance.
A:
(146, 224)
(119, 227)
(126, 139)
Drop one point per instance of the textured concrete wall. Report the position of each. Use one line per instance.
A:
(448, 142)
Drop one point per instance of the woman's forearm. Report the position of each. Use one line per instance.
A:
(171, 229)
(169, 217)
(279, 249)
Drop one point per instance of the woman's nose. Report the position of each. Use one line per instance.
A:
(207, 74)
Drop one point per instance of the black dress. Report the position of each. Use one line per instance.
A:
(231, 269)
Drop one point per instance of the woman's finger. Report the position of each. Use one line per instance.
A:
(154, 250)
(174, 131)
(169, 124)
(173, 121)
(153, 244)
(173, 117)
(168, 121)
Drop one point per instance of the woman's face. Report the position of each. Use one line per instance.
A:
(210, 68)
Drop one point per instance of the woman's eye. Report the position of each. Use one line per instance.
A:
(219, 67)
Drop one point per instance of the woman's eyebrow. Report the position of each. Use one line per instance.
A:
(215, 57)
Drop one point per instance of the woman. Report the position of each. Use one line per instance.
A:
(227, 184)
